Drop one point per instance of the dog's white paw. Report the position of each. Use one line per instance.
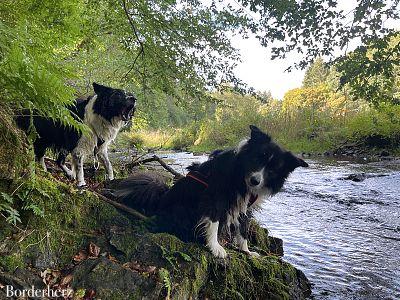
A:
(219, 251)
(81, 184)
(253, 253)
(70, 175)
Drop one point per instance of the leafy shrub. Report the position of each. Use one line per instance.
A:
(381, 124)
(183, 138)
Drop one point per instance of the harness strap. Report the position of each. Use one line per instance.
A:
(196, 176)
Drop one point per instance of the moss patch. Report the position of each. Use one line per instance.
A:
(15, 155)
(66, 218)
(244, 277)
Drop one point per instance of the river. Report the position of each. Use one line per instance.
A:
(344, 235)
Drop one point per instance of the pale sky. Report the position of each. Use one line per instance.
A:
(263, 74)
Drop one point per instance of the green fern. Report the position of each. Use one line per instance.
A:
(31, 80)
(166, 280)
(168, 256)
(12, 215)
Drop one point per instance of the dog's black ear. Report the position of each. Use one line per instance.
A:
(258, 135)
(101, 89)
(215, 153)
(302, 163)
(294, 162)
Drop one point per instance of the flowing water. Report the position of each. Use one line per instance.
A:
(344, 235)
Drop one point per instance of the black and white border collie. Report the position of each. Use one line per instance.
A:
(105, 114)
(216, 195)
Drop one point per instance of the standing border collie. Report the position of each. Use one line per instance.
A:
(105, 114)
(215, 195)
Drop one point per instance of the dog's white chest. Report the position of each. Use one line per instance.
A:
(101, 130)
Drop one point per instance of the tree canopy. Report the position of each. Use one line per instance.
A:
(181, 48)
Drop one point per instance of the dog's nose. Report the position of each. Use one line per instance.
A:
(255, 180)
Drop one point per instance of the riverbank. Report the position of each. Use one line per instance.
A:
(311, 121)
(371, 148)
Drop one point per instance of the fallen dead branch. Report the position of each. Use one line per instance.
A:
(125, 208)
(149, 151)
(157, 159)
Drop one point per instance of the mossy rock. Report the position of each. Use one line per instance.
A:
(68, 219)
(264, 277)
(264, 243)
(15, 155)
(111, 280)
(192, 272)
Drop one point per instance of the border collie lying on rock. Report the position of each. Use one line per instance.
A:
(105, 114)
(217, 194)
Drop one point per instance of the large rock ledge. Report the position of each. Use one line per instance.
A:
(186, 271)
(86, 245)
(132, 263)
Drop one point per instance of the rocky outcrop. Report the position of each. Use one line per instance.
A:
(187, 271)
(69, 239)
(133, 264)
(129, 262)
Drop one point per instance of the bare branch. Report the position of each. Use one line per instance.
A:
(160, 161)
(141, 51)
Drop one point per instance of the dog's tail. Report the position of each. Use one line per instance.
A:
(142, 191)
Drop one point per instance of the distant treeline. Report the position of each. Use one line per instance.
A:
(316, 117)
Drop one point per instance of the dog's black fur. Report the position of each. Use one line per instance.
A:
(232, 176)
(109, 104)
(53, 134)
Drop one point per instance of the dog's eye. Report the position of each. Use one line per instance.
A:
(263, 155)
(267, 157)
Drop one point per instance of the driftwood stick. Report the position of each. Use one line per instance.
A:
(118, 205)
(168, 168)
(160, 161)
(149, 151)
(141, 162)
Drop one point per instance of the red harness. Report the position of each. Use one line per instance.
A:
(197, 176)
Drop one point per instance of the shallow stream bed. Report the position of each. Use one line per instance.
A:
(344, 235)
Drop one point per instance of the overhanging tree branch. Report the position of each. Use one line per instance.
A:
(141, 45)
